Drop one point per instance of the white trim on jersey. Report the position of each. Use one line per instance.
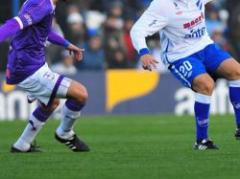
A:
(19, 21)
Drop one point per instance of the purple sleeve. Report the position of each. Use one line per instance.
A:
(10, 28)
(34, 11)
(57, 39)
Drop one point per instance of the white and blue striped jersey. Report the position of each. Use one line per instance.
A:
(181, 24)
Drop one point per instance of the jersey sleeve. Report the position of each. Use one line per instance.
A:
(8, 29)
(33, 11)
(57, 39)
(153, 20)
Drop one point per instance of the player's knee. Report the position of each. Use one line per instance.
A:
(204, 85)
(206, 88)
(235, 75)
(81, 95)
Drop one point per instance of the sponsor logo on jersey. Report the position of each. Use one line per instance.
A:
(194, 34)
(28, 19)
(194, 22)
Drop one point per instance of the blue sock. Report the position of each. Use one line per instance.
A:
(41, 115)
(202, 108)
(234, 90)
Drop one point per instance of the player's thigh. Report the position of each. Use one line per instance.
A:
(77, 91)
(229, 69)
(187, 69)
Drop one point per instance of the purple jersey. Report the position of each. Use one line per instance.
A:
(27, 52)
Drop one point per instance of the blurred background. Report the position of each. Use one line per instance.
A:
(102, 28)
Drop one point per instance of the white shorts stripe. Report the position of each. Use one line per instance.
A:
(181, 76)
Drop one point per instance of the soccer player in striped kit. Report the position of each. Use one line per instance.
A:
(27, 68)
(191, 56)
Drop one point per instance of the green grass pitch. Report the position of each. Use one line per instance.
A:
(126, 147)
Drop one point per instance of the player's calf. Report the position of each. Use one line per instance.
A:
(230, 69)
(203, 86)
(36, 122)
(71, 111)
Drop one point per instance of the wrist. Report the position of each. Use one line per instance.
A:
(66, 44)
(143, 52)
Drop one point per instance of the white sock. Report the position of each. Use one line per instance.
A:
(68, 118)
(29, 134)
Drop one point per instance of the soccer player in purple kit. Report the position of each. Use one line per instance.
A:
(28, 69)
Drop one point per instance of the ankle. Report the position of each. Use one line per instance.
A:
(64, 134)
(22, 145)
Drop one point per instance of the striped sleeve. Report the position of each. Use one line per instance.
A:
(33, 12)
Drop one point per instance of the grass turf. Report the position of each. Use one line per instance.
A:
(126, 147)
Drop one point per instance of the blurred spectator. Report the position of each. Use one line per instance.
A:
(217, 18)
(234, 24)
(76, 27)
(53, 51)
(213, 21)
(117, 59)
(112, 20)
(131, 54)
(65, 67)
(94, 58)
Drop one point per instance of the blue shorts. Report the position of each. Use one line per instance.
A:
(205, 61)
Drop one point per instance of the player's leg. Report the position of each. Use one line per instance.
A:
(219, 61)
(43, 86)
(230, 69)
(36, 121)
(77, 96)
(192, 73)
(203, 85)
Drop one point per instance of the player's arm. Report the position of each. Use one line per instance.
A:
(10, 28)
(152, 21)
(31, 13)
(57, 39)
(61, 41)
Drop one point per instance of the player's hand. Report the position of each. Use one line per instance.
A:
(77, 52)
(148, 62)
